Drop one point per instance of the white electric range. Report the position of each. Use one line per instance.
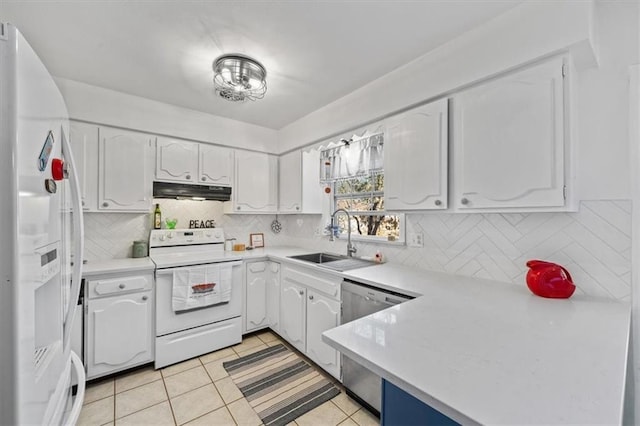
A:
(198, 294)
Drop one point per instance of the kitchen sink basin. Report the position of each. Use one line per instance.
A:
(319, 257)
(335, 262)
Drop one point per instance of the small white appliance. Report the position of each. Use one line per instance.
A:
(198, 293)
(42, 221)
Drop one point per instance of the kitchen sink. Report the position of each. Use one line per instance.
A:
(335, 262)
(319, 257)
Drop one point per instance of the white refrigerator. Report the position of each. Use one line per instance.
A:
(41, 216)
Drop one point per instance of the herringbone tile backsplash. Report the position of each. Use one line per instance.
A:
(594, 244)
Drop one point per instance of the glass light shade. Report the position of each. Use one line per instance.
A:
(238, 78)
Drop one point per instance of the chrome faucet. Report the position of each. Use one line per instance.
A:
(351, 249)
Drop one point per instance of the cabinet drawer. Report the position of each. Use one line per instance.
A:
(325, 283)
(104, 287)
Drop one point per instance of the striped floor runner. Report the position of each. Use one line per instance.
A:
(279, 385)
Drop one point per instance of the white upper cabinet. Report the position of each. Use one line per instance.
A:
(215, 165)
(508, 141)
(84, 145)
(415, 159)
(191, 162)
(255, 188)
(176, 160)
(290, 183)
(299, 183)
(124, 171)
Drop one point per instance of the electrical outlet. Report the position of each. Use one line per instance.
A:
(416, 239)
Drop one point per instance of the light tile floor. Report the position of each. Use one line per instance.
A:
(199, 392)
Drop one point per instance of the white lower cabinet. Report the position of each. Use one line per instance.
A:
(262, 302)
(310, 305)
(256, 299)
(119, 327)
(273, 296)
(323, 314)
(293, 314)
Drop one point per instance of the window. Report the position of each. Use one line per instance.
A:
(354, 169)
(363, 198)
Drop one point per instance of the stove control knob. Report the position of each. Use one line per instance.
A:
(170, 235)
(208, 234)
(162, 237)
(217, 234)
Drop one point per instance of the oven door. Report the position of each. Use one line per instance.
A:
(168, 321)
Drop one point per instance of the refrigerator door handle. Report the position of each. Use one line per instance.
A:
(72, 419)
(78, 238)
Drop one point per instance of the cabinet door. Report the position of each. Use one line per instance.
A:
(124, 171)
(312, 191)
(509, 141)
(293, 314)
(84, 144)
(415, 159)
(256, 177)
(216, 165)
(273, 296)
(176, 160)
(119, 332)
(322, 314)
(290, 183)
(256, 312)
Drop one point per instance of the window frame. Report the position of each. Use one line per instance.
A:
(373, 193)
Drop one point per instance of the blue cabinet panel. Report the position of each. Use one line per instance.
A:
(401, 409)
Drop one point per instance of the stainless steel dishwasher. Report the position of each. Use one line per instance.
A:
(359, 300)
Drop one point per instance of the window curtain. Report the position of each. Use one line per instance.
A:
(355, 158)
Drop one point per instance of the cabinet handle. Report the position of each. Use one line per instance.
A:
(464, 201)
(121, 286)
(438, 203)
(238, 208)
(188, 176)
(297, 207)
(145, 297)
(83, 203)
(301, 292)
(311, 297)
(105, 204)
(204, 178)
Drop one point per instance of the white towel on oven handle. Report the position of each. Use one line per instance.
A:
(190, 286)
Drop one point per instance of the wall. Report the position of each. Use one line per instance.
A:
(594, 243)
(525, 33)
(111, 235)
(104, 106)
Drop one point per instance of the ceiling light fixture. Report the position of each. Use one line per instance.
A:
(237, 78)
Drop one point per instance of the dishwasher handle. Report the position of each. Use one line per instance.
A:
(372, 294)
(391, 301)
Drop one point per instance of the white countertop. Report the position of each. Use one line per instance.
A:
(109, 266)
(477, 350)
(493, 353)
(112, 266)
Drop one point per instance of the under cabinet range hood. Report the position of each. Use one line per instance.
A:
(183, 191)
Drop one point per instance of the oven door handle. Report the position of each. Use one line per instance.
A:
(169, 271)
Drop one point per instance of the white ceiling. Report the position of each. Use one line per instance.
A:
(315, 51)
